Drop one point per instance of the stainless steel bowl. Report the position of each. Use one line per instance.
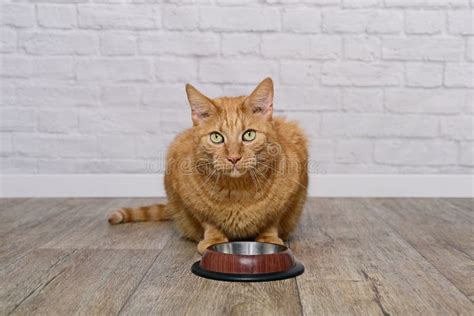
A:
(249, 248)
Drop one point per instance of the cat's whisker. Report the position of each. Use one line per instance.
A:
(204, 164)
(258, 182)
(204, 169)
(253, 180)
(296, 182)
(215, 182)
(269, 196)
(209, 177)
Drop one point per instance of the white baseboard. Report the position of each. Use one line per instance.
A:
(150, 185)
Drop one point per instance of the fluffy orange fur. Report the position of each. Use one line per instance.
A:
(237, 174)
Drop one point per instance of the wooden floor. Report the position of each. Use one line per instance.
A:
(362, 256)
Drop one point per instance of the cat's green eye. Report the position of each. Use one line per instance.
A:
(216, 138)
(249, 135)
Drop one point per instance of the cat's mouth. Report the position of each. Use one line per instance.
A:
(235, 172)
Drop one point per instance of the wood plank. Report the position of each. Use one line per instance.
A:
(89, 282)
(439, 231)
(41, 221)
(466, 205)
(6, 203)
(437, 217)
(69, 221)
(79, 224)
(357, 264)
(21, 216)
(113, 204)
(170, 288)
(74, 223)
(101, 235)
(332, 283)
(92, 231)
(25, 226)
(29, 274)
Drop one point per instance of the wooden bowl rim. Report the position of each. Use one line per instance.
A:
(287, 250)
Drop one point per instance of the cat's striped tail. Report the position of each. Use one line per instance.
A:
(156, 212)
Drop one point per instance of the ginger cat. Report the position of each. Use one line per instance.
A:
(237, 174)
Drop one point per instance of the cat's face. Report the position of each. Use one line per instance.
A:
(233, 138)
(232, 134)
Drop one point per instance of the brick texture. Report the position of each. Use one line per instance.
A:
(379, 86)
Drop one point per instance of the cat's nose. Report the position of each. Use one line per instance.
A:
(234, 159)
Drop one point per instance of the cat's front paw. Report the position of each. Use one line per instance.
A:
(272, 240)
(205, 243)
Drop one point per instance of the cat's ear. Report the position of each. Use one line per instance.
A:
(261, 99)
(201, 106)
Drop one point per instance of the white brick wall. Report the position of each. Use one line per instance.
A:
(94, 86)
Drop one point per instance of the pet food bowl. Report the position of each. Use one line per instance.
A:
(247, 261)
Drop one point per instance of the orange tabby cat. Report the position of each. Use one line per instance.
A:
(237, 174)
